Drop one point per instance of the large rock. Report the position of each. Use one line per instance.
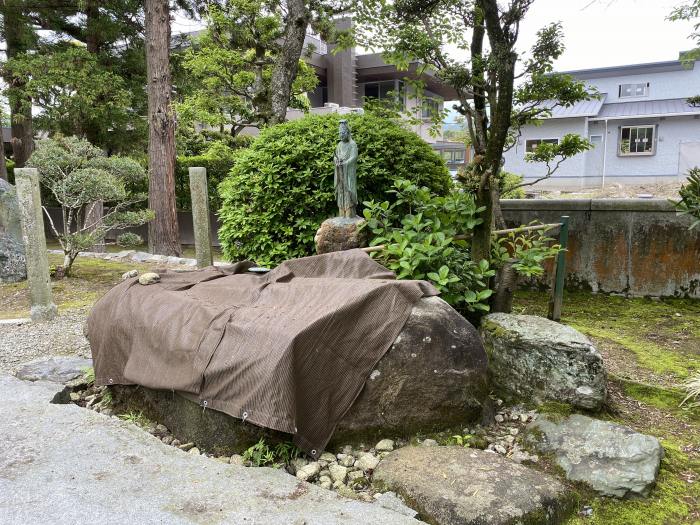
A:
(62, 464)
(534, 359)
(55, 369)
(614, 460)
(13, 264)
(434, 376)
(340, 233)
(463, 486)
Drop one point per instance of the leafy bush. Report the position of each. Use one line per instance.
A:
(429, 243)
(129, 239)
(10, 164)
(281, 187)
(690, 197)
(217, 159)
(692, 386)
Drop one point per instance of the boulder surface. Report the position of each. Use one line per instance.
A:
(534, 359)
(55, 369)
(433, 376)
(340, 233)
(13, 264)
(614, 460)
(464, 486)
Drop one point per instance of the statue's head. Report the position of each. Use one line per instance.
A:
(344, 131)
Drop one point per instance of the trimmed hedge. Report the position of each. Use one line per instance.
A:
(280, 189)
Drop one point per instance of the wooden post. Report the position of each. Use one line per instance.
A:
(557, 298)
(200, 216)
(31, 218)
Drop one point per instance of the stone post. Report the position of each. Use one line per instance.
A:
(32, 220)
(200, 216)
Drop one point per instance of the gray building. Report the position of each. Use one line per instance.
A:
(643, 128)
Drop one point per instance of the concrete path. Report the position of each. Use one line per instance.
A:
(61, 464)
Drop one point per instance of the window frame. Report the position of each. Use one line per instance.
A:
(548, 140)
(646, 90)
(654, 128)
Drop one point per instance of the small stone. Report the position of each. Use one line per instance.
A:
(194, 451)
(429, 443)
(223, 459)
(338, 472)
(322, 478)
(367, 462)
(107, 412)
(500, 449)
(510, 439)
(74, 396)
(176, 443)
(385, 445)
(297, 464)
(160, 430)
(347, 449)
(236, 459)
(514, 417)
(308, 472)
(149, 278)
(499, 418)
(325, 472)
(346, 460)
(168, 440)
(327, 457)
(129, 275)
(326, 485)
(355, 475)
(524, 418)
(185, 446)
(514, 431)
(338, 484)
(499, 402)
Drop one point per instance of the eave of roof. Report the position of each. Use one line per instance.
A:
(673, 107)
(630, 69)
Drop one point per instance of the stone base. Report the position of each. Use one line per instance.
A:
(43, 312)
(433, 377)
(340, 233)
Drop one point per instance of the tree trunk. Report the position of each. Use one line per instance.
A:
(163, 235)
(506, 284)
(287, 63)
(17, 41)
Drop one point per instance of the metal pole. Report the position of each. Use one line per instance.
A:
(557, 298)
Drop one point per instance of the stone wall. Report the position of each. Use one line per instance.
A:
(636, 246)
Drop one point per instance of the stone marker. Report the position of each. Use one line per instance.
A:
(200, 217)
(534, 359)
(458, 486)
(340, 233)
(13, 265)
(614, 460)
(29, 198)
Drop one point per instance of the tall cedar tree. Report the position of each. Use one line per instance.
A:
(163, 234)
(486, 31)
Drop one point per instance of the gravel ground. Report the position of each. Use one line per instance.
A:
(22, 343)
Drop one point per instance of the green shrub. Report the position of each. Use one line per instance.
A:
(690, 197)
(10, 170)
(129, 240)
(217, 159)
(281, 187)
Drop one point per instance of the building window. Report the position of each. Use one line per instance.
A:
(531, 144)
(388, 90)
(637, 140)
(634, 90)
(429, 108)
(454, 156)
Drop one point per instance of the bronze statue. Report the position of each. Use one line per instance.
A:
(345, 179)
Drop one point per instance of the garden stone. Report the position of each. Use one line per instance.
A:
(340, 233)
(149, 278)
(367, 462)
(13, 264)
(129, 275)
(457, 486)
(327, 457)
(389, 500)
(338, 472)
(534, 359)
(57, 369)
(437, 362)
(236, 459)
(308, 472)
(429, 443)
(193, 450)
(613, 459)
(385, 445)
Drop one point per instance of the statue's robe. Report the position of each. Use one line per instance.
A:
(345, 179)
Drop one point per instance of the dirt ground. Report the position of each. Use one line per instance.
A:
(611, 191)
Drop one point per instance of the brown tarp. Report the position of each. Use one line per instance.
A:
(289, 350)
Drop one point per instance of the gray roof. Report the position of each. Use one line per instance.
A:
(584, 108)
(630, 69)
(647, 108)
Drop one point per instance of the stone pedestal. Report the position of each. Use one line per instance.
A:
(340, 233)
